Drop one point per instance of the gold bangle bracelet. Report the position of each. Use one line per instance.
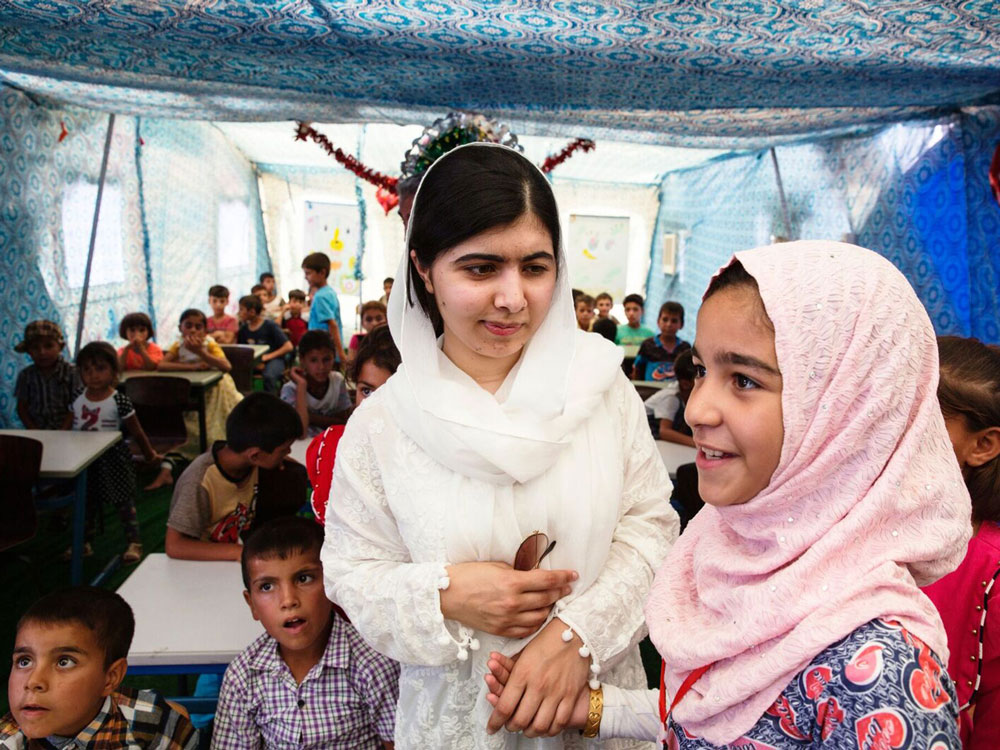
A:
(593, 725)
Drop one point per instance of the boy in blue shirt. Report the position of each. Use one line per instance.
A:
(324, 315)
(657, 354)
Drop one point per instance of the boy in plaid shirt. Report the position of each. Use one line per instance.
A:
(69, 660)
(310, 681)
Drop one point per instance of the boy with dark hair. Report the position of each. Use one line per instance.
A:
(220, 326)
(293, 324)
(256, 329)
(310, 676)
(584, 308)
(45, 388)
(317, 390)
(604, 303)
(324, 315)
(657, 354)
(64, 686)
(387, 283)
(633, 332)
(228, 490)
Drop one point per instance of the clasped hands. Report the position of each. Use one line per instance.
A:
(544, 681)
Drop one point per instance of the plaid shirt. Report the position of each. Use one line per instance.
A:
(128, 720)
(347, 701)
(47, 397)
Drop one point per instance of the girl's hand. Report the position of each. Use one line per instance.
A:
(544, 686)
(298, 376)
(501, 666)
(495, 598)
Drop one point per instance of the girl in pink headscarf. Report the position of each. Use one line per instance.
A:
(789, 614)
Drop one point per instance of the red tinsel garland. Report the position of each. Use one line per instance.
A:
(551, 162)
(306, 131)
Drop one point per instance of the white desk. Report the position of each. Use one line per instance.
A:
(675, 454)
(66, 454)
(259, 350)
(658, 384)
(299, 450)
(200, 380)
(190, 616)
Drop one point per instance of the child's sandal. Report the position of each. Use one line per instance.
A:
(132, 553)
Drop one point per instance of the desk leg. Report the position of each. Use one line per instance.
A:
(79, 523)
(202, 428)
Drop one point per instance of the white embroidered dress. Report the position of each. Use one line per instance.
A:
(433, 470)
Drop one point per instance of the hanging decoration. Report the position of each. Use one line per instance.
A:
(63, 132)
(446, 133)
(551, 162)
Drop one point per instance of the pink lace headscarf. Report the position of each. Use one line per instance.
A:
(867, 502)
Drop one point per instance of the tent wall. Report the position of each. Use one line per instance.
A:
(917, 193)
(157, 240)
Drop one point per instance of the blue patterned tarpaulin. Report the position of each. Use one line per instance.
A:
(917, 193)
(663, 71)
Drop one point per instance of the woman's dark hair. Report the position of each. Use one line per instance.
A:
(135, 320)
(98, 351)
(469, 191)
(376, 345)
(194, 312)
(970, 388)
(734, 276)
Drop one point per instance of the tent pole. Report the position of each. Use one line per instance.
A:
(93, 233)
(781, 194)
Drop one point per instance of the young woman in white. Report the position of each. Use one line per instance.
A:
(501, 421)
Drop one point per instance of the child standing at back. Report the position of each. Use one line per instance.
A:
(605, 302)
(293, 324)
(633, 333)
(657, 354)
(969, 598)
(274, 305)
(45, 388)
(310, 680)
(831, 493)
(584, 308)
(141, 352)
(372, 315)
(99, 407)
(324, 314)
(316, 390)
(221, 326)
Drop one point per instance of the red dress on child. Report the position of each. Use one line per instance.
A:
(968, 599)
(320, 455)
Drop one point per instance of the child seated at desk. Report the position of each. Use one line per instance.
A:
(198, 351)
(45, 388)
(655, 360)
(141, 352)
(64, 686)
(225, 491)
(274, 305)
(315, 389)
(256, 329)
(372, 316)
(222, 327)
(309, 681)
(665, 408)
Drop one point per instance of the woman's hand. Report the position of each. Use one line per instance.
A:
(495, 598)
(501, 666)
(544, 685)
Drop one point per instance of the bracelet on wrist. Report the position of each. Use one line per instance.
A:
(594, 713)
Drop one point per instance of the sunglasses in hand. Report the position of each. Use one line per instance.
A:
(532, 551)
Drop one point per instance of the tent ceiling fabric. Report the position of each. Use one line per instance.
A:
(662, 72)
